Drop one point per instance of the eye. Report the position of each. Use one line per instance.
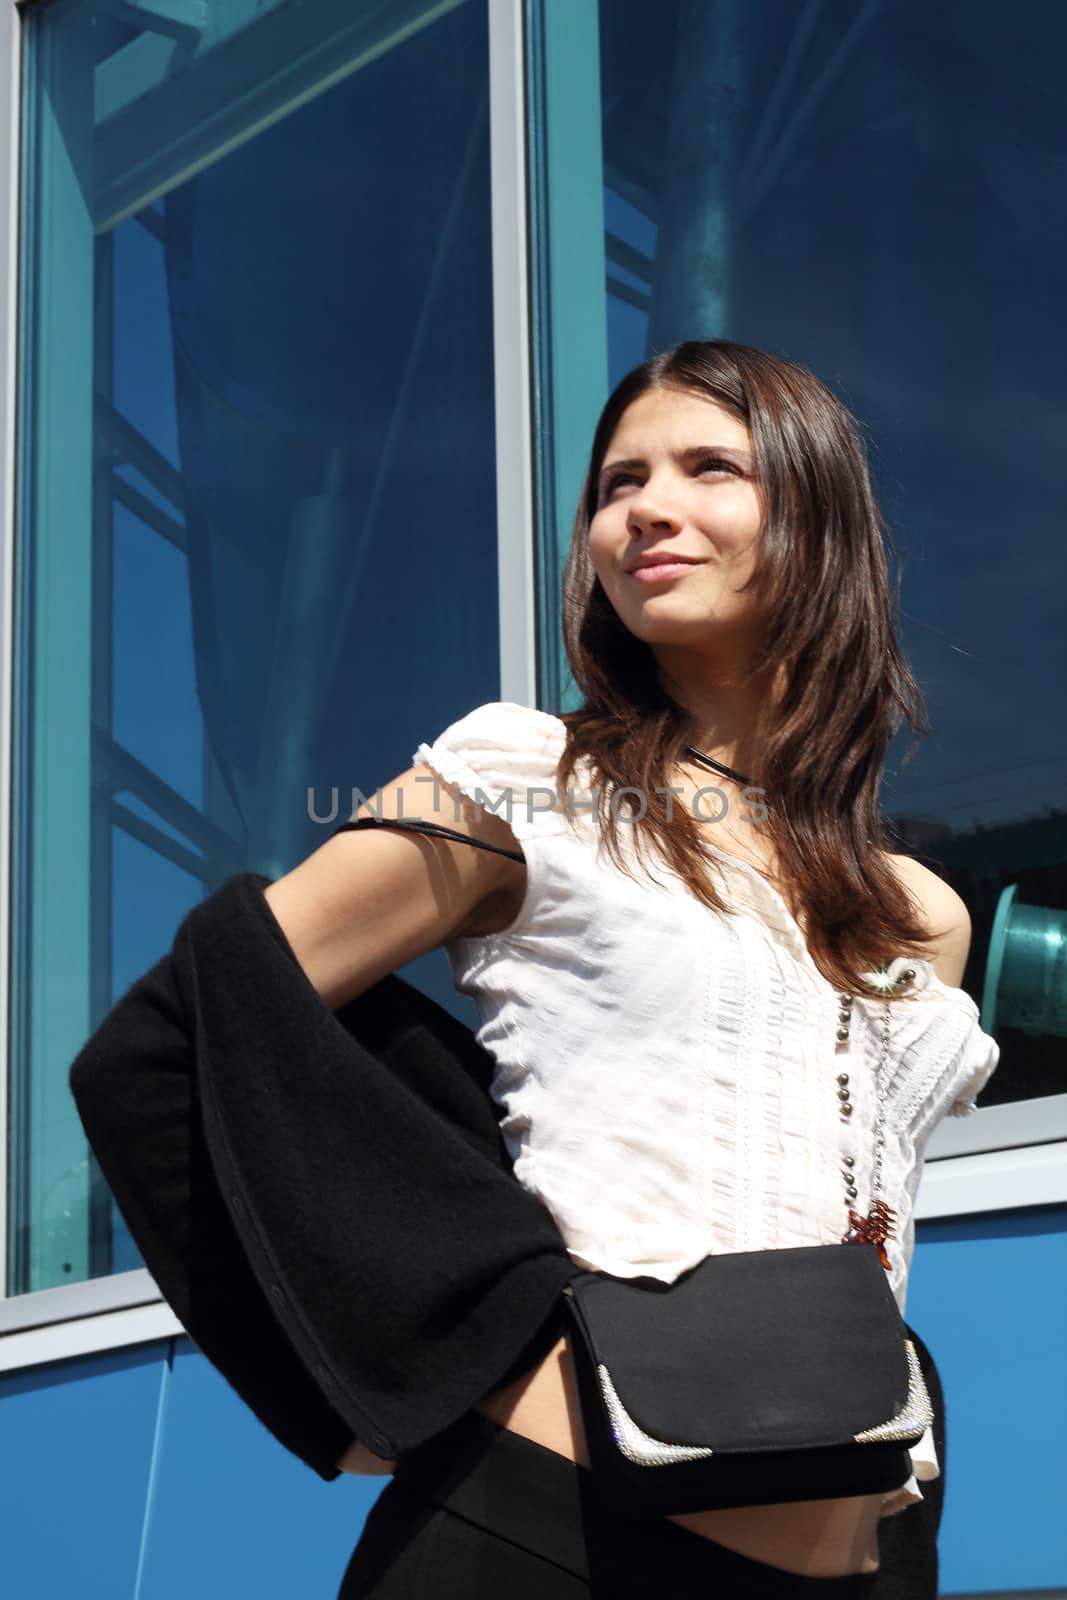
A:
(614, 482)
(704, 464)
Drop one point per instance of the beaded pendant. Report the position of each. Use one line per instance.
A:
(879, 1225)
(875, 1228)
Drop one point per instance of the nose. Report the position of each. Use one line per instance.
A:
(650, 507)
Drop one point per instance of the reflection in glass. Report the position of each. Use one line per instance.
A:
(258, 488)
(869, 190)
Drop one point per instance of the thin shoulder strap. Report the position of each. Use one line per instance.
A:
(427, 827)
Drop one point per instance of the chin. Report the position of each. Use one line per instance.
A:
(657, 623)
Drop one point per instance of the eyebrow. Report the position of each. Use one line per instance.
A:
(691, 453)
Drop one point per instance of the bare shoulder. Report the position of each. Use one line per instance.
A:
(944, 913)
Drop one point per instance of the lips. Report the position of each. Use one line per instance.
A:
(643, 563)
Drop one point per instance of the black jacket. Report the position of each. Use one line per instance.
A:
(326, 1202)
(324, 1198)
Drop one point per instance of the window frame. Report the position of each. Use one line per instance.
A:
(127, 1308)
(1003, 1157)
(11, 39)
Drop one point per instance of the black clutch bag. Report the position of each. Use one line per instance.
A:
(754, 1378)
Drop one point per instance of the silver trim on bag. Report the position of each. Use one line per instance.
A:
(910, 1422)
(637, 1445)
(914, 1416)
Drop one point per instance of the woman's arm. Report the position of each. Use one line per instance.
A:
(367, 902)
(941, 908)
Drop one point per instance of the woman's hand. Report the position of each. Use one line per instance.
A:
(362, 1462)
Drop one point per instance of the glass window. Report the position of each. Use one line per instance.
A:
(257, 528)
(868, 190)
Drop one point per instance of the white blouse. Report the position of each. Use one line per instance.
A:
(667, 1074)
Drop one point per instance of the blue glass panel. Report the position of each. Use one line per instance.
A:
(154, 712)
(165, 1484)
(277, 1535)
(870, 190)
(258, 510)
(89, 1426)
(989, 1296)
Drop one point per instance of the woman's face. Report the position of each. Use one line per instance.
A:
(678, 480)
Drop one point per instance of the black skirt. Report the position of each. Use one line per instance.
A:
(482, 1513)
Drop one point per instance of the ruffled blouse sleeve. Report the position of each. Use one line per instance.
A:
(980, 1057)
(962, 1057)
(503, 756)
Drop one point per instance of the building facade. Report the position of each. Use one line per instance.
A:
(307, 311)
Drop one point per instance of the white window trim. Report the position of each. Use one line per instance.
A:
(1019, 1123)
(127, 1309)
(119, 1291)
(86, 1336)
(10, 152)
(516, 575)
(82, 1319)
(993, 1180)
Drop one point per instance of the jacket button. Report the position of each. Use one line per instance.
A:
(237, 1205)
(278, 1292)
(324, 1373)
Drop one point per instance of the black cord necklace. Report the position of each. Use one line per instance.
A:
(717, 766)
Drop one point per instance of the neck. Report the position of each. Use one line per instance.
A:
(725, 719)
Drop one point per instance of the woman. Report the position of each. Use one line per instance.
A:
(659, 977)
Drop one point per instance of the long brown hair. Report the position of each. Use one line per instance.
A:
(831, 643)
